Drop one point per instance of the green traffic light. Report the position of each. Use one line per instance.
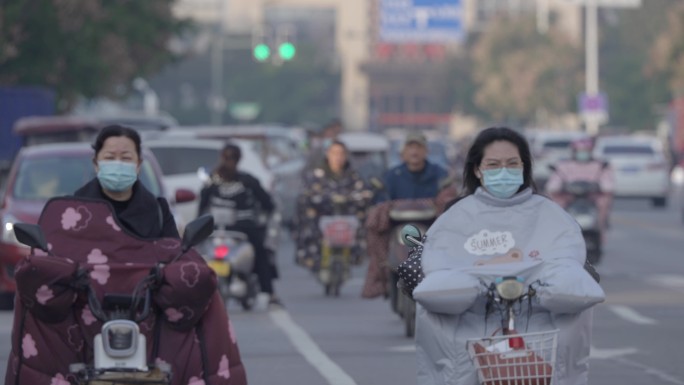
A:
(287, 51)
(261, 52)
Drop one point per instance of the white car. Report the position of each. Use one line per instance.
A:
(185, 163)
(639, 164)
(548, 148)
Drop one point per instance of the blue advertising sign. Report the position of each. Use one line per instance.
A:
(421, 21)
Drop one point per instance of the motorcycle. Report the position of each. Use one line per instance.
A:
(231, 256)
(584, 209)
(120, 349)
(338, 238)
(420, 214)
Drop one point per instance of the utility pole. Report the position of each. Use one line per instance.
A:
(592, 60)
(542, 16)
(217, 102)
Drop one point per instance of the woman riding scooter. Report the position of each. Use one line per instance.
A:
(110, 244)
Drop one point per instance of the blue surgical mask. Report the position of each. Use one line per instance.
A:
(115, 175)
(502, 182)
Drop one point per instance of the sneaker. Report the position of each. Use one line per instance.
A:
(274, 301)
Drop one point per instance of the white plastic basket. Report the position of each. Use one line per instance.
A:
(339, 230)
(531, 364)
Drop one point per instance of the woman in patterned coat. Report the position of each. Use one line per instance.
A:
(333, 188)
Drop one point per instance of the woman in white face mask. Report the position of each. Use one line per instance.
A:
(501, 227)
(117, 164)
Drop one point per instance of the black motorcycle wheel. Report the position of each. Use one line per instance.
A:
(394, 292)
(593, 242)
(253, 290)
(410, 318)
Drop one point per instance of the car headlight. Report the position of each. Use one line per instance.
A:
(7, 231)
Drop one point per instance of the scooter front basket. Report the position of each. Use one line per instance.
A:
(499, 364)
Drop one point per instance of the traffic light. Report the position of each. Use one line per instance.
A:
(287, 51)
(262, 52)
(261, 49)
(285, 37)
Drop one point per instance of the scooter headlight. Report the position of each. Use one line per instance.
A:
(510, 288)
(7, 231)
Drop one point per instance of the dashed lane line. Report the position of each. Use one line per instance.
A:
(631, 315)
(306, 346)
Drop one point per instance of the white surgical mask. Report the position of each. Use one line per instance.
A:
(115, 175)
(502, 182)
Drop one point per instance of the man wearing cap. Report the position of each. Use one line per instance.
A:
(416, 177)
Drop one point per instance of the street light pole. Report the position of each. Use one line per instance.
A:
(592, 59)
(217, 102)
(542, 16)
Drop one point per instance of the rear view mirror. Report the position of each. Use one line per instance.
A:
(197, 231)
(31, 236)
(410, 236)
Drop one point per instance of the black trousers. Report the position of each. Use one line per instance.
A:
(263, 266)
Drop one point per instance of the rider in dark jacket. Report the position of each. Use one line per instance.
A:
(245, 199)
(416, 177)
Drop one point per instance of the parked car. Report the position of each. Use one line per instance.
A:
(639, 164)
(45, 171)
(548, 148)
(36, 130)
(185, 163)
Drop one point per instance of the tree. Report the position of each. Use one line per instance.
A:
(84, 47)
(520, 73)
(667, 54)
(634, 89)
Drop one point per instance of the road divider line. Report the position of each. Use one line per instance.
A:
(310, 350)
(631, 315)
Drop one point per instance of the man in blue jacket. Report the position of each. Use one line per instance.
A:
(416, 177)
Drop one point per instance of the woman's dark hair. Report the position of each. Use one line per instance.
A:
(476, 153)
(116, 130)
(237, 152)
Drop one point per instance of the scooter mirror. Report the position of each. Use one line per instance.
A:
(410, 236)
(30, 235)
(197, 231)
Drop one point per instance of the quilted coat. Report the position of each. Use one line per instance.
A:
(54, 326)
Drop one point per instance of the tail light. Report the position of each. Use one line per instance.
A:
(221, 251)
(655, 166)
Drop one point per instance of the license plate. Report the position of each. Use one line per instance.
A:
(221, 268)
(631, 169)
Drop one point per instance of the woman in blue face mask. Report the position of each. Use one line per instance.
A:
(501, 227)
(117, 163)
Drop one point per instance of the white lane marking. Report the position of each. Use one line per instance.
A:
(631, 315)
(603, 354)
(670, 281)
(310, 350)
(403, 349)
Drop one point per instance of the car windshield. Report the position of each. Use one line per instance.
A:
(45, 177)
(369, 164)
(178, 160)
(628, 150)
(557, 144)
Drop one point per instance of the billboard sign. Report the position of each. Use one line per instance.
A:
(421, 21)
